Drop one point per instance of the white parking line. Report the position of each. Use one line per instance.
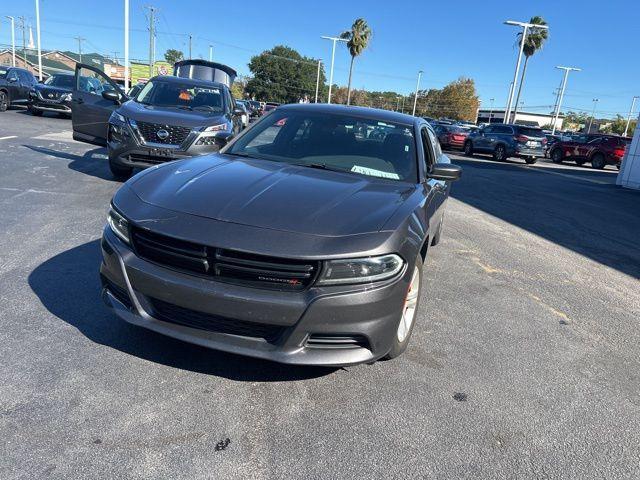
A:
(8, 137)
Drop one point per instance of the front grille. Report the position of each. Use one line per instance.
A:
(327, 341)
(153, 159)
(230, 266)
(118, 292)
(168, 312)
(176, 134)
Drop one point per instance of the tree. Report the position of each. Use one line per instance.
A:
(533, 42)
(283, 75)
(458, 100)
(172, 55)
(618, 124)
(358, 97)
(357, 41)
(574, 121)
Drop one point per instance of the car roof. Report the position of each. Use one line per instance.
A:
(187, 81)
(364, 112)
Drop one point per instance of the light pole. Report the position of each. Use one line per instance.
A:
(126, 45)
(491, 100)
(211, 53)
(593, 112)
(38, 34)
(562, 88)
(333, 55)
(398, 104)
(13, 40)
(318, 79)
(525, 26)
(415, 98)
(633, 104)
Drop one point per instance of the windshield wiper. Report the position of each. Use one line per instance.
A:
(238, 154)
(321, 166)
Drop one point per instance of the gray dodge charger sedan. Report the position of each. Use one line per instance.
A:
(302, 241)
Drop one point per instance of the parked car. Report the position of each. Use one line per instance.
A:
(599, 150)
(551, 141)
(256, 108)
(504, 141)
(15, 85)
(269, 106)
(170, 118)
(298, 242)
(242, 105)
(54, 95)
(451, 136)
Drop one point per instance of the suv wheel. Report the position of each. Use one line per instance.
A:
(500, 153)
(120, 172)
(409, 313)
(4, 101)
(468, 148)
(556, 155)
(597, 161)
(530, 160)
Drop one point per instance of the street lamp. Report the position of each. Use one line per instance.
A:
(561, 93)
(593, 112)
(38, 34)
(318, 78)
(210, 53)
(13, 41)
(633, 104)
(512, 90)
(415, 98)
(491, 100)
(333, 55)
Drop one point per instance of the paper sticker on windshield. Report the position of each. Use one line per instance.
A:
(372, 172)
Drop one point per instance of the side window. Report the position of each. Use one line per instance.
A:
(13, 75)
(29, 79)
(436, 144)
(488, 129)
(428, 145)
(94, 81)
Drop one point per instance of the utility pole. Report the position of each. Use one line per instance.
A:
(333, 56)
(318, 79)
(397, 104)
(562, 88)
(525, 26)
(126, 45)
(593, 112)
(38, 34)
(415, 98)
(402, 108)
(24, 41)
(491, 100)
(13, 41)
(152, 34)
(190, 42)
(211, 53)
(115, 57)
(633, 104)
(80, 40)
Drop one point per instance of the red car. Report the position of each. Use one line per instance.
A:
(451, 136)
(599, 150)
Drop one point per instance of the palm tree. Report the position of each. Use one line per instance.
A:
(357, 40)
(532, 43)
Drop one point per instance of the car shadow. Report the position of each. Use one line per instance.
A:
(578, 209)
(93, 162)
(68, 286)
(52, 115)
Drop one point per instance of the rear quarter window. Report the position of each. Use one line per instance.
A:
(531, 132)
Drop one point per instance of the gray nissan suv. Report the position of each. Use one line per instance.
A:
(302, 241)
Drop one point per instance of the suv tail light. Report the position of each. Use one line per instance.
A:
(619, 152)
(521, 138)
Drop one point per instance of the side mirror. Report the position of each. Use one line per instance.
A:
(111, 95)
(445, 171)
(224, 137)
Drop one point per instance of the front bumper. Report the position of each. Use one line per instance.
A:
(523, 152)
(50, 106)
(363, 312)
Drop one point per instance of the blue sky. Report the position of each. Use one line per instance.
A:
(445, 39)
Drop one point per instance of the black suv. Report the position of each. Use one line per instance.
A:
(504, 141)
(54, 95)
(170, 118)
(15, 85)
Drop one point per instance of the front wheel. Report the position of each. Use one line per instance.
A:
(468, 149)
(500, 153)
(120, 172)
(409, 313)
(597, 161)
(530, 160)
(556, 156)
(4, 101)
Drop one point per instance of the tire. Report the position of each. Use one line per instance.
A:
(597, 161)
(4, 101)
(403, 333)
(34, 112)
(530, 160)
(120, 172)
(436, 237)
(468, 148)
(500, 153)
(556, 155)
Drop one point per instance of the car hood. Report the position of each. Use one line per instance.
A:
(169, 116)
(57, 91)
(272, 195)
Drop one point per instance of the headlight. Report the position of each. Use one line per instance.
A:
(117, 118)
(360, 270)
(65, 97)
(216, 128)
(118, 224)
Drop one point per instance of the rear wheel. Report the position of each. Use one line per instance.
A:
(409, 313)
(556, 155)
(120, 172)
(597, 161)
(500, 153)
(530, 160)
(468, 148)
(4, 101)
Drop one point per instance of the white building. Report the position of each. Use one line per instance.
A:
(522, 118)
(629, 175)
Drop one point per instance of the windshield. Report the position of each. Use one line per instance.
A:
(334, 142)
(3, 72)
(65, 81)
(531, 132)
(189, 97)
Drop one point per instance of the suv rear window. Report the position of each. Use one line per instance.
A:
(531, 132)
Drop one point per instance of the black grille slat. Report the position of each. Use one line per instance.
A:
(169, 312)
(177, 134)
(225, 265)
(337, 341)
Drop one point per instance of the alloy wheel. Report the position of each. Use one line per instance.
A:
(410, 306)
(3, 101)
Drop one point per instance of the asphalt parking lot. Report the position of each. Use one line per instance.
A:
(524, 362)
